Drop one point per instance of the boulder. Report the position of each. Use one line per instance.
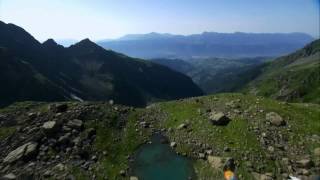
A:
(182, 126)
(173, 144)
(75, 124)
(202, 156)
(219, 118)
(50, 127)
(23, 151)
(305, 163)
(275, 119)
(133, 178)
(9, 176)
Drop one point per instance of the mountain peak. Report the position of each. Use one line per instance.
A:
(86, 43)
(49, 42)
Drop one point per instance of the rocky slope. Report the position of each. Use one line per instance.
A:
(30, 70)
(267, 139)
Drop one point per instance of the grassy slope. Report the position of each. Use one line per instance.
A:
(237, 135)
(121, 139)
(295, 77)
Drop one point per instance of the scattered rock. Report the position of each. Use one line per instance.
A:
(219, 118)
(23, 151)
(275, 119)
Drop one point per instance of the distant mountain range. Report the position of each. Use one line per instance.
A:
(30, 70)
(207, 44)
(294, 78)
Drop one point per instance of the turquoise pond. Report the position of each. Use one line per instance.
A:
(157, 161)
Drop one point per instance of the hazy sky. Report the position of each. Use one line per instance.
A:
(99, 19)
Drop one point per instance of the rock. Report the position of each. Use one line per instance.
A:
(50, 127)
(65, 139)
(75, 124)
(173, 144)
(47, 174)
(271, 149)
(60, 167)
(258, 176)
(111, 102)
(215, 162)
(94, 158)
(275, 119)
(61, 108)
(226, 149)
(316, 152)
(209, 152)
(182, 126)
(32, 115)
(144, 124)
(219, 118)
(24, 151)
(91, 132)
(201, 156)
(122, 173)
(305, 163)
(9, 176)
(134, 178)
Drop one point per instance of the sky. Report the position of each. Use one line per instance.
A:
(109, 19)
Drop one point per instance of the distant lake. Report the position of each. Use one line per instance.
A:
(158, 161)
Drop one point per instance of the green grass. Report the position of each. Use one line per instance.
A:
(236, 136)
(122, 141)
(6, 131)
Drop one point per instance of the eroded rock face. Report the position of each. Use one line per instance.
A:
(219, 118)
(275, 119)
(23, 151)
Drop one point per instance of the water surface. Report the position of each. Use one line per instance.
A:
(158, 161)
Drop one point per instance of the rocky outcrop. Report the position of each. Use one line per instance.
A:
(21, 152)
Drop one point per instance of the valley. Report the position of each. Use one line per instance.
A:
(172, 107)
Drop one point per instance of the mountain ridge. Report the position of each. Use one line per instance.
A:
(208, 44)
(89, 72)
